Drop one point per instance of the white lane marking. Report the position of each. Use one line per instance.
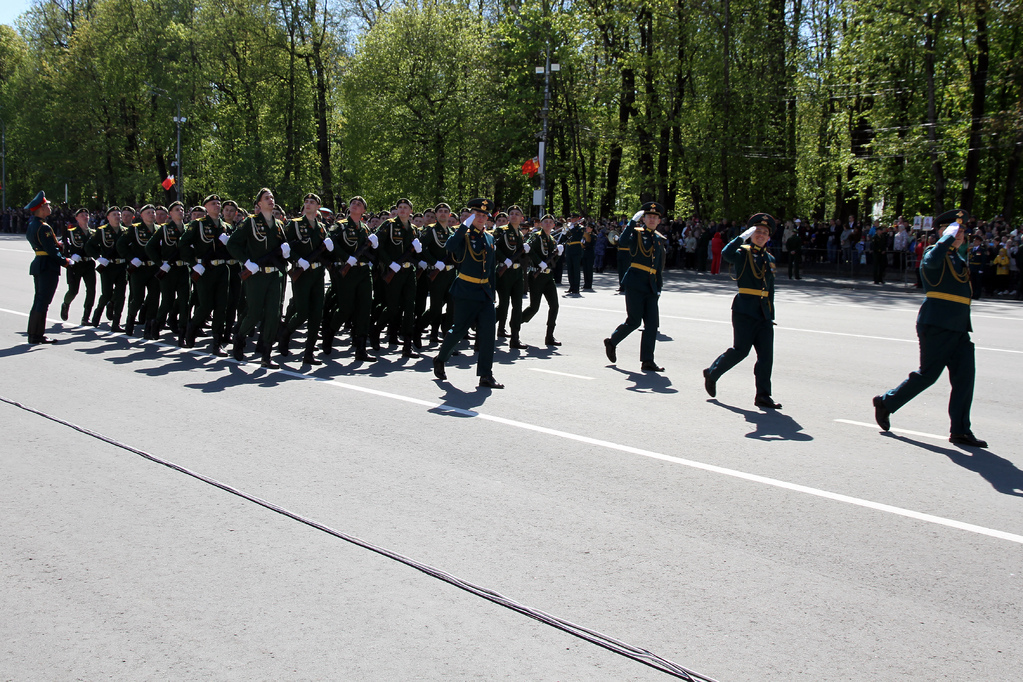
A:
(563, 374)
(15, 312)
(893, 429)
(17, 250)
(755, 478)
(789, 329)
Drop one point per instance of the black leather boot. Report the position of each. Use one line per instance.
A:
(238, 348)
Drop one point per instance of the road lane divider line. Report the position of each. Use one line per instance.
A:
(562, 374)
(921, 434)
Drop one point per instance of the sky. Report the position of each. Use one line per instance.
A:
(10, 9)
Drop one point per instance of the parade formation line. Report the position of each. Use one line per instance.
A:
(628, 449)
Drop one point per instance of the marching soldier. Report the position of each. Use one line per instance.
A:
(82, 267)
(512, 256)
(472, 294)
(589, 256)
(396, 257)
(544, 253)
(752, 309)
(434, 238)
(231, 217)
(943, 327)
(45, 268)
(351, 280)
(205, 248)
(259, 243)
(143, 292)
(642, 283)
(102, 246)
(172, 273)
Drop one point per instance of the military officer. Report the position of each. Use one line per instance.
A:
(642, 283)
(351, 280)
(589, 255)
(231, 217)
(544, 253)
(260, 244)
(45, 268)
(396, 258)
(752, 309)
(82, 267)
(472, 293)
(172, 272)
(143, 288)
(205, 248)
(442, 271)
(102, 246)
(574, 252)
(943, 327)
(512, 254)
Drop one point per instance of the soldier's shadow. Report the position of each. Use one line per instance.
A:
(236, 376)
(19, 349)
(459, 403)
(1002, 474)
(770, 424)
(646, 382)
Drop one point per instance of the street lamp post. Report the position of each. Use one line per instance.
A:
(3, 172)
(179, 119)
(540, 198)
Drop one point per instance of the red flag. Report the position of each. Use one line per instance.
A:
(168, 183)
(531, 167)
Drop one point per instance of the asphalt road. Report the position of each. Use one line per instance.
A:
(742, 544)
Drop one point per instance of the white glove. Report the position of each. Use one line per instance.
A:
(570, 226)
(395, 267)
(286, 250)
(952, 230)
(223, 237)
(303, 263)
(439, 265)
(423, 264)
(103, 261)
(468, 221)
(417, 246)
(507, 262)
(136, 262)
(329, 243)
(200, 268)
(543, 265)
(525, 247)
(637, 217)
(748, 233)
(374, 240)
(351, 261)
(75, 258)
(165, 267)
(561, 249)
(251, 267)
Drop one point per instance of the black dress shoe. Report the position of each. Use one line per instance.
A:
(517, 345)
(881, 414)
(438, 369)
(650, 366)
(766, 402)
(267, 363)
(709, 384)
(967, 439)
(551, 341)
(490, 382)
(64, 310)
(610, 351)
(502, 334)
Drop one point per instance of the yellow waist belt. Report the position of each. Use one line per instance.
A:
(644, 268)
(41, 253)
(948, 297)
(474, 280)
(574, 243)
(754, 292)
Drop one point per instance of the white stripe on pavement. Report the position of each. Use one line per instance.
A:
(893, 429)
(562, 374)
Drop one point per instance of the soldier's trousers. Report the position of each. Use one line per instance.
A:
(749, 332)
(234, 295)
(588, 258)
(510, 288)
(440, 293)
(174, 290)
(542, 286)
(353, 300)
(143, 290)
(795, 260)
(941, 348)
(263, 293)
(640, 306)
(469, 312)
(46, 281)
(211, 294)
(307, 296)
(76, 274)
(623, 264)
(112, 280)
(575, 261)
(400, 302)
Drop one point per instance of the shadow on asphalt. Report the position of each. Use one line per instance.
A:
(998, 471)
(646, 382)
(457, 398)
(770, 424)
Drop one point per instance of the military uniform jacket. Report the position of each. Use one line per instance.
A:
(201, 241)
(434, 237)
(75, 240)
(473, 251)
(754, 273)
(574, 240)
(132, 242)
(304, 237)
(508, 242)
(395, 241)
(349, 236)
(103, 242)
(258, 241)
(946, 279)
(166, 244)
(646, 252)
(542, 249)
(40, 236)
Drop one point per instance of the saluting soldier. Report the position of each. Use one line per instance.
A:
(143, 290)
(102, 246)
(943, 327)
(172, 272)
(82, 267)
(439, 266)
(351, 280)
(752, 309)
(512, 254)
(45, 267)
(259, 243)
(205, 247)
(544, 253)
(310, 247)
(642, 283)
(396, 257)
(472, 293)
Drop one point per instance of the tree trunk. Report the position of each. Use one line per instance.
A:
(978, 86)
(933, 22)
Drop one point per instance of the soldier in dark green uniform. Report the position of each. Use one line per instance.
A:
(396, 258)
(512, 259)
(589, 255)
(143, 288)
(45, 267)
(752, 309)
(172, 272)
(102, 247)
(544, 252)
(439, 266)
(259, 243)
(205, 247)
(310, 248)
(623, 263)
(642, 283)
(351, 280)
(794, 245)
(943, 327)
(574, 253)
(231, 217)
(472, 294)
(82, 267)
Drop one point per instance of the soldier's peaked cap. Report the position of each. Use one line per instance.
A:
(480, 204)
(765, 219)
(956, 215)
(652, 207)
(39, 200)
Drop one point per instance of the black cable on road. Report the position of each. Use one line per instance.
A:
(592, 636)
